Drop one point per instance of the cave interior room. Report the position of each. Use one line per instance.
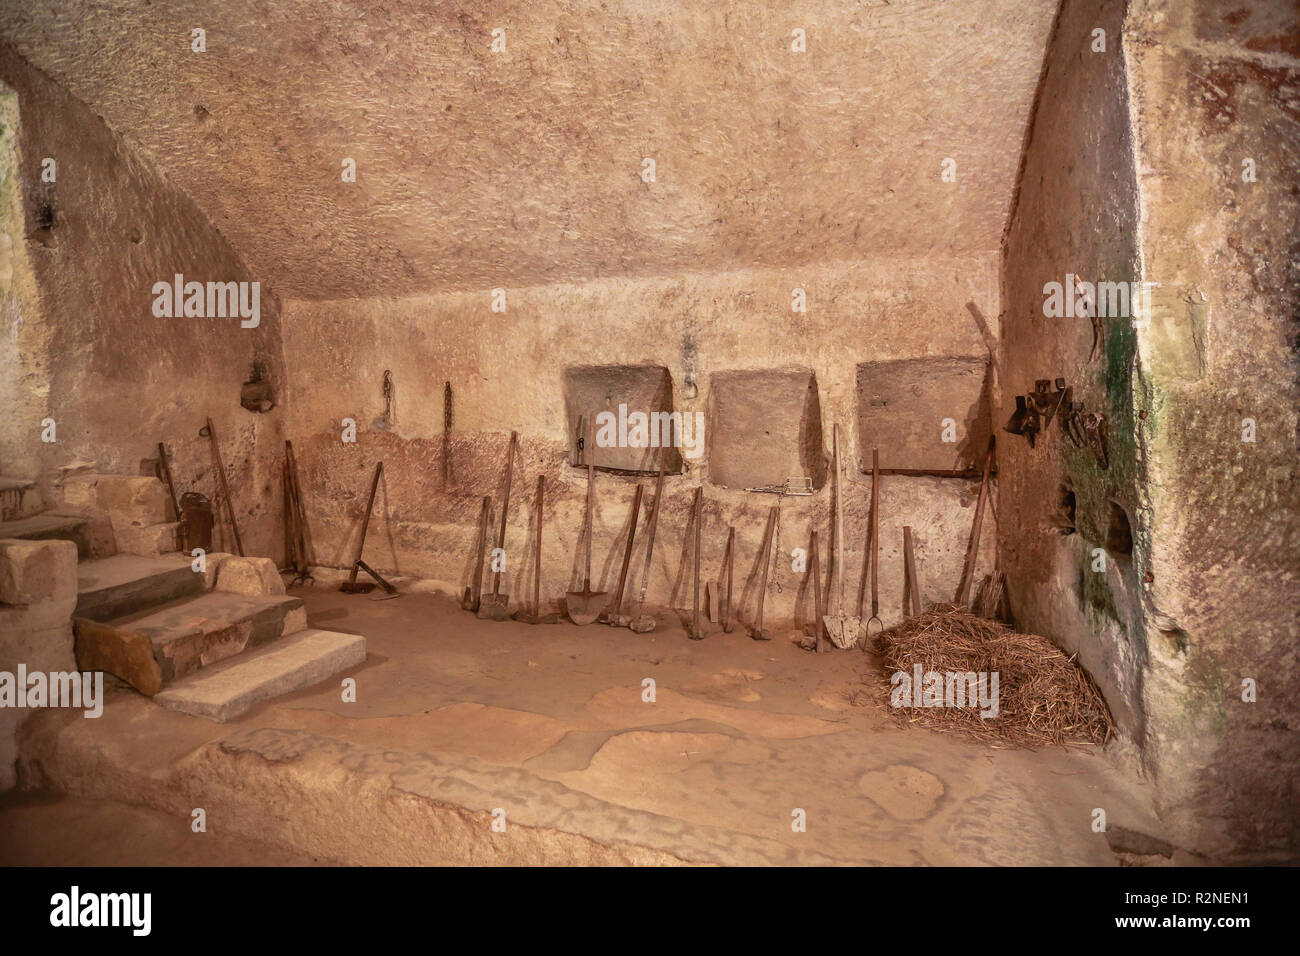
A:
(649, 433)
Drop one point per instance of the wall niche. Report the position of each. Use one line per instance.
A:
(765, 426)
(648, 389)
(902, 405)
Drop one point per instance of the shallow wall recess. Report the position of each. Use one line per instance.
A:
(924, 412)
(764, 427)
(639, 389)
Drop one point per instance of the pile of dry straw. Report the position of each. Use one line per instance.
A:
(1044, 696)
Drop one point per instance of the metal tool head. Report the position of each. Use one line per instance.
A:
(584, 606)
(845, 631)
(523, 617)
(493, 607)
(643, 623)
(357, 587)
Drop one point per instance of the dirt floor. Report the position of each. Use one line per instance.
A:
(458, 723)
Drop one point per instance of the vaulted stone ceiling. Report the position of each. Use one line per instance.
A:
(478, 169)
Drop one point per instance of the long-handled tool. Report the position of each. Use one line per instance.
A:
(298, 561)
(537, 617)
(875, 545)
(615, 618)
(845, 630)
(973, 545)
(165, 472)
(757, 632)
(641, 622)
(911, 583)
(388, 590)
(817, 590)
(696, 631)
(727, 625)
(351, 585)
(225, 488)
(585, 606)
(717, 605)
(469, 600)
(496, 605)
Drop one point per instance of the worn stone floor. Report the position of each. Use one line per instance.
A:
(458, 723)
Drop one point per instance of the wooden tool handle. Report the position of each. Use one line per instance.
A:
(875, 530)
(627, 550)
(537, 577)
(972, 546)
(589, 453)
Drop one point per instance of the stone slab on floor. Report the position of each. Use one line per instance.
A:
(46, 526)
(229, 689)
(128, 583)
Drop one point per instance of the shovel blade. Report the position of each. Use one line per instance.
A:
(844, 631)
(584, 607)
(493, 607)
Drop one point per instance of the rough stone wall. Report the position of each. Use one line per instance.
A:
(115, 379)
(507, 372)
(1076, 213)
(25, 354)
(1214, 85)
(1133, 172)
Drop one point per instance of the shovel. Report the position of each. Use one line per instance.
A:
(757, 632)
(875, 545)
(616, 618)
(469, 600)
(727, 625)
(641, 622)
(696, 631)
(496, 604)
(585, 606)
(845, 630)
(537, 617)
(351, 586)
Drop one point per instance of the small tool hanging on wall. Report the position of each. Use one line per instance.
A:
(448, 418)
(211, 433)
(1088, 430)
(384, 422)
(1035, 411)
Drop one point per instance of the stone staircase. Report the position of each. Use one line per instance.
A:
(211, 642)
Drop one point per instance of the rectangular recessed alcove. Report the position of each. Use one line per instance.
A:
(765, 426)
(640, 389)
(903, 406)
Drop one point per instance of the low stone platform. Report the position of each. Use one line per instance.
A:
(228, 689)
(152, 648)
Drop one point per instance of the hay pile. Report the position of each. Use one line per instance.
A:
(1043, 696)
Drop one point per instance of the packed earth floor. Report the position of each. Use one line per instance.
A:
(473, 741)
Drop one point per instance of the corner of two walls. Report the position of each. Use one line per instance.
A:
(1133, 173)
(1213, 92)
(508, 373)
(91, 354)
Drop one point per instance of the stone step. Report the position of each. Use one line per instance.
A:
(46, 526)
(150, 649)
(18, 498)
(227, 690)
(129, 583)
